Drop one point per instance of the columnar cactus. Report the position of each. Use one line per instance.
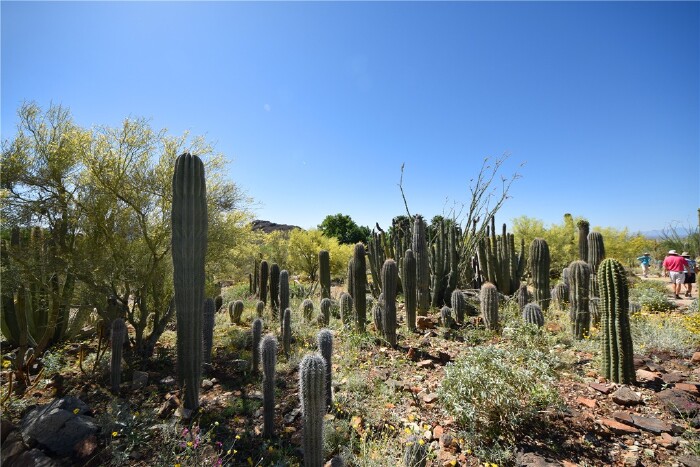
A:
(583, 229)
(618, 362)
(409, 289)
(324, 339)
(415, 454)
(351, 278)
(307, 309)
(259, 308)
(345, 308)
(325, 306)
(268, 350)
(560, 295)
(287, 331)
(274, 289)
(522, 296)
(230, 312)
(579, 283)
(390, 278)
(189, 249)
(446, 317)
(264, 273)
(312, 384)
(118, 337)
(257, 335)
(284, 292)
(532, 314)
(237, 311)
(488, 299)
(539, 267)
(324, 273)
(459, 305)
(208, 312)
(378, 315)
(359, 292)
(596, 254)
(218, 303)
(420, 250)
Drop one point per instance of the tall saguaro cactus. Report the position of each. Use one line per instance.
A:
(420, 250)
(189, 249)
(539, 267)
(312, 384)
(409, 289)
(618, 361)
(390, 278)
(208, 313)
(359, 285)
(118, 337)
(583, 229)
(257, 335)
(324, 273)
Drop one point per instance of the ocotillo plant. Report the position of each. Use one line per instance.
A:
(415, 453)
(118, 337)
(579, 283)
(268, 350)
(618, 361)
(324, 339)
(287, 331)
(409, 289)
(257, 335)
(208, 312)
(488, 299)
(312, 384)
(446, 317)
(324, 273)
(325, 306)
(420, 250)
(307, 309)
(274, 289)
(539, 267)
(359, 281)
(583, 229)
(532, 314)
(189, 249)
(264, 273)
(390, 278)
(459, 305)
(345, 308)
(284, 293)
(259, 308)
(238, 307)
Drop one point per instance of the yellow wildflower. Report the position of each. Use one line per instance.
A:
(76, 411)
(114, 434)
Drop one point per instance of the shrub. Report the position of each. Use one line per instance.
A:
(652, 296)
(674, 334)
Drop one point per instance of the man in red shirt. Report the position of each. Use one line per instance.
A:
(676, 266)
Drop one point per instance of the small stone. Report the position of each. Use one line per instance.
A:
(690, 388)
(631, 459)
(638, 363)
(689, 460)
(623, 417)
(654, 425)
(139, 380)
(426, 364)
(602, 388)
(670, 378)
(430, 398)
(680, 403)
(424, 322)
(411, 354)
(291, 416)
(617, 427)
(644, 375)
(6, 427)
(696, 357)
(167, 408)
(85, 448)
(207, 384)
(530, 459)
(625, 396)
(437, 432)
(667, 441)
(168, 381)
(183, 413)
(590, 403)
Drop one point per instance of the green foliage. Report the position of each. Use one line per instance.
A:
(652, 296)
(304, 246)
(344, 229)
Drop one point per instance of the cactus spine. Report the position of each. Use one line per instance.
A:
(118, 337)
(324, 273)
(257, 335)
(532, 314)
(307, 309)
(390, 278)
(579, 283)
(325, 306)
(312, 384)
(264, 273)
(345, 308)
(420, 250)
(409, 289)
(189, 248)
(284, 293)
(618, 362)
(359, 280)
(459, 305)
(208, 329)
(287, 331)
(324, 339)
(488, 299)
(268, 350)
(274, 289)
(539, 267)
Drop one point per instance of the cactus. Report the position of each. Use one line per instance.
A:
(415, 454)
(287, 331)
(420, 250)
(376, 255)
(618, 362)
(189, 248)
(532, 314)
(274, 289)
(378, 315)
(539, 267)
(208, 312)
(324, 340)
(498, 260)
(257, 335)
(522, 296)
(268, 350)
(312, 384)
(390, 278)
(264, 273)
(579, 279)
(488, 299)
(583, 227)
(560, 295)
(284, 292)
(307, 309)
(409, 289)
(324, 273)
(596, 254)
(259, 308)
(345, 308)
(237, 311)
(446, 317)
(359, 280)
(459, 305)
(438, 264)
(218, 303)
(325, 306)
(118, 338)
(350, 280)
(230, 312)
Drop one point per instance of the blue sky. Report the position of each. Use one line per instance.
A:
(317, 105)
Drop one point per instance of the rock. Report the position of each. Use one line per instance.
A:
(291, 416)
(430, 398)
(240, 366)
(59, 425)
(667, 441)
(590, 403)
(167, 408)
(139, 380)
(424, 322)
(670, 378)
(626, 397)
(6, 427)
(617, 427)
(33, 458)
(688, 460)
(680, 403)
(446, 441)
(168, 381)
(12, 447)
(695, 421)
(207, 384)
(602, 388)
(638, 363)
(630, 458)
(426, 364)
(623, 417)
(644, 375)
(85, 448)
(695, 358)
(530, 459)
(183, 413)
(690, 388)
(437, 432)
(654, 425)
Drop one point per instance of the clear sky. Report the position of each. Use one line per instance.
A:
(317, 105)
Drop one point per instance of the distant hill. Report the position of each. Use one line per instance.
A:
(267, 226)
(659, 233)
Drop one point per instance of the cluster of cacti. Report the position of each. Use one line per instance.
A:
(499, 262)
(274, 289)
(312, 384)
(420, 250)
(287, 331)
(617, 349)
(359, 284)
(345, 308)
(390, 278)
(415, 453)
(257, 335)
(324, 273)
(325, 316)
(307, 309)
(459, 305)
(583, 229)
(579, 283)
(208, 312)
(446, 317)
(189, 248)
(235, 311)
(283, 292)
(444, 262)
(118, 338)
(409, 289)
(532, 314)
(268, 351)
(376, 255)
(259, 308)
(488, 300)
(324, 340)
(522, 296)
(539, 268)
(264, 273)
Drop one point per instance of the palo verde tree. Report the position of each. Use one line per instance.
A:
(345, 229)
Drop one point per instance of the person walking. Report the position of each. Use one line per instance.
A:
(676, 267)
(645, 261)
(690, 275)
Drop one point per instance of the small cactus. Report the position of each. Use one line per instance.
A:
(208, 313)
(118, 337)
(446, 317)
(488, 299)
(579, 283)
(560, 295)
(522, 296)
(312, 384)
(378, 315)
(390, 278)
(287, 331)
(237, 311)
(324, 272)
(325, 316)
(257, 335)
(459, 305)
(218, 303)
(259, 308)
(324, 339)
(274, 289)
(532, 314)
(307, 309)
(415, 454)
(346, 308)
(268, 350)
(409, 289)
